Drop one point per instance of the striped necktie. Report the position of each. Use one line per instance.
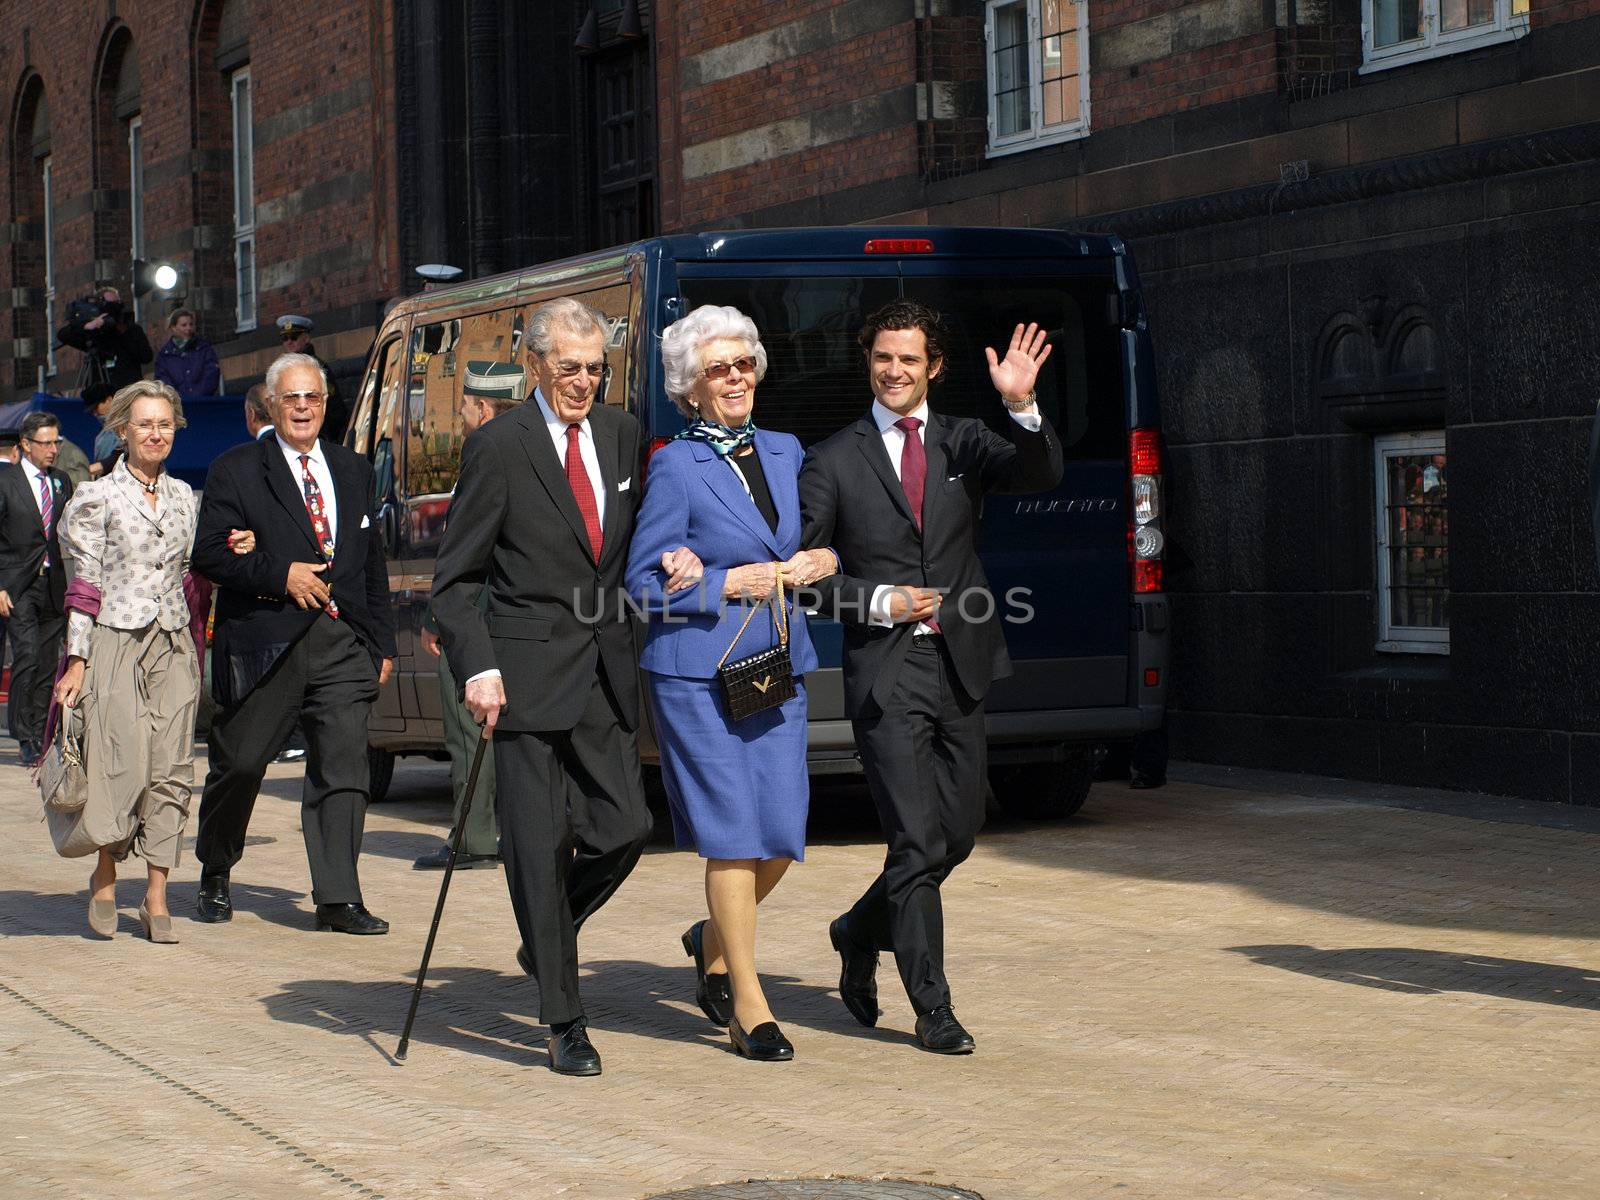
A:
(47, 512)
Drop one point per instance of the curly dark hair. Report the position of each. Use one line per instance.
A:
(908, 314)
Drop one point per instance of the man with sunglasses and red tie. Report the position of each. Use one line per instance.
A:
(898, 496)
(304, 633)
(33, 581)
(543, 514)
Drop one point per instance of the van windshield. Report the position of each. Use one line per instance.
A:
(816, 380)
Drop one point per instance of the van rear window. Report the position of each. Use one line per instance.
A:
(816, 379)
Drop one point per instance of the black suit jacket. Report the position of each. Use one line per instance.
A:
(1594, 484)
(552, 614)
(852, 501)
(251, 487)
(22, 540)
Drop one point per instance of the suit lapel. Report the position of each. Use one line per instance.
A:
(935, 440)
(775, 464)
(718, 476)
(541, 453)
(286, 489)
(607, 450)
(878, 459)
(352, 504)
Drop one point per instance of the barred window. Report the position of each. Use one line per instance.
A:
(1413, 523)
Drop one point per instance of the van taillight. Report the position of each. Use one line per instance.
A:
(1145, 539)
(655, 444)
(899, 246)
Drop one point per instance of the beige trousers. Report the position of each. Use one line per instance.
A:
(140, 694)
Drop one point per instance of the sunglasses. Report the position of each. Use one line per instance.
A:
(721, 370)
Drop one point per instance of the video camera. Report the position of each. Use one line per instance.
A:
(86, 308)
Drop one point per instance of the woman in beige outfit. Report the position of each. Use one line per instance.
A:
(133, 666)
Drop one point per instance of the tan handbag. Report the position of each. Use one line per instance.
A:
(63, 783)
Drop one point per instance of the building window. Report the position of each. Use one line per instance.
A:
(1413, 523)
(244, 203)
(49, 267)
(1038, 72)
(136, 201)
(1396, 32)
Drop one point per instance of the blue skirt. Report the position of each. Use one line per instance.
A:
(737, 789)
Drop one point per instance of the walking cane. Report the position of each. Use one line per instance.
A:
(444, 890)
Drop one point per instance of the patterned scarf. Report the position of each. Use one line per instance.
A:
(720, 438)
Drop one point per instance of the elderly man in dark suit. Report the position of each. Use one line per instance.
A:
(303, 632)
(898, 496)
(33, 580)
(543, 514)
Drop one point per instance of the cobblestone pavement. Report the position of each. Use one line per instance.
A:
(1206, 991)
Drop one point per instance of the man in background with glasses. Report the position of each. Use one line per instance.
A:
(304, 632)
(33, 581)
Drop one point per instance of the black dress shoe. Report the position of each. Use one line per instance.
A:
(1142, 781)
(764, 1043)
(440, 859)
(940, 1032)
(714, 993)
(525, 960)
(213, 905)
(28, 752)
(349, 918)
(858, 975)
(571, 1051)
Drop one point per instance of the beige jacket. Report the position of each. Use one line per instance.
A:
(134, 554)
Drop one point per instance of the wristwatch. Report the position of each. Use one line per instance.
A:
(1024, 405)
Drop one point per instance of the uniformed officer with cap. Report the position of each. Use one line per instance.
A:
(487, 390)
(295, 333)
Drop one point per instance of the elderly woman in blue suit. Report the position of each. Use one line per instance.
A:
(738, 789)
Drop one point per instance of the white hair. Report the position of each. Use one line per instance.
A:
(285, 362)
(680, 347)
(572, 315)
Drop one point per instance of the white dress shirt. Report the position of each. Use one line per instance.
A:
(591, 459)
(894, 441)
(319, 472)
(591, 465)
(34, 475)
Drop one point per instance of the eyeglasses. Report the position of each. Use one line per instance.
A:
(569, 370)
(144, 428)
(309, 399)
(721, 370)
(43, 442)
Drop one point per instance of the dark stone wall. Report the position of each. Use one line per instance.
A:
(1272, 490)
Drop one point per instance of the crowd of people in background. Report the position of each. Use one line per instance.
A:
(737, 532)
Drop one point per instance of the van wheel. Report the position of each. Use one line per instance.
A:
(1043, 791)
(380, 770)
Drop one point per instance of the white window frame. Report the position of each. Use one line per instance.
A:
(136, 201)
(246, 301)
(1401, 639)
(1508, 23)
(1036, 134)
(49, 266)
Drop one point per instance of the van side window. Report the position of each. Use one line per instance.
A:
(439, 356)
(615, 304)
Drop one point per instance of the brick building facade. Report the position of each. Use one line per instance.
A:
(1367, 232)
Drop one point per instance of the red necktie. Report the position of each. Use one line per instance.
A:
(319, 522)
(583, 491)
(914, 476)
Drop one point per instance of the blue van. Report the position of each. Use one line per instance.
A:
(1078, 571)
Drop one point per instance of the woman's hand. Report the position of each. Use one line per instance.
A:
(756, 580)
(683, 568)
(808, 566)
(241, 541)
(70, 686)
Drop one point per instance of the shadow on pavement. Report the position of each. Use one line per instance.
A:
(1434, 972)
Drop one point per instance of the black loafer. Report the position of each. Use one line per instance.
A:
(571, 1051)
(764, 1043)
(713, 992)
(940, 1032)
(349, 918)
(858, 975)
(525, 960)
(440, 859)
(29, 753)
(213, 905)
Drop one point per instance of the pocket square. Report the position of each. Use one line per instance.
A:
(625, 484)
(366, 522)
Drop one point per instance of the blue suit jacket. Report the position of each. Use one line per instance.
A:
(692, 499)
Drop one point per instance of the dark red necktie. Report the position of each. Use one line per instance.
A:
(914, 476)
(318, 512)
(583, 490)
(913, 465)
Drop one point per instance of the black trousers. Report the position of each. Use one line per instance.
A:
(326, 681)
(925, 756)
(573, 822)
(35, 629)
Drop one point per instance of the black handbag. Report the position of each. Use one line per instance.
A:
(762, 680)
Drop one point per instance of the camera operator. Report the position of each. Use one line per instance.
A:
(113, 343)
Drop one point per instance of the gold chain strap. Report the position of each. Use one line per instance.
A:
(780, 618)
